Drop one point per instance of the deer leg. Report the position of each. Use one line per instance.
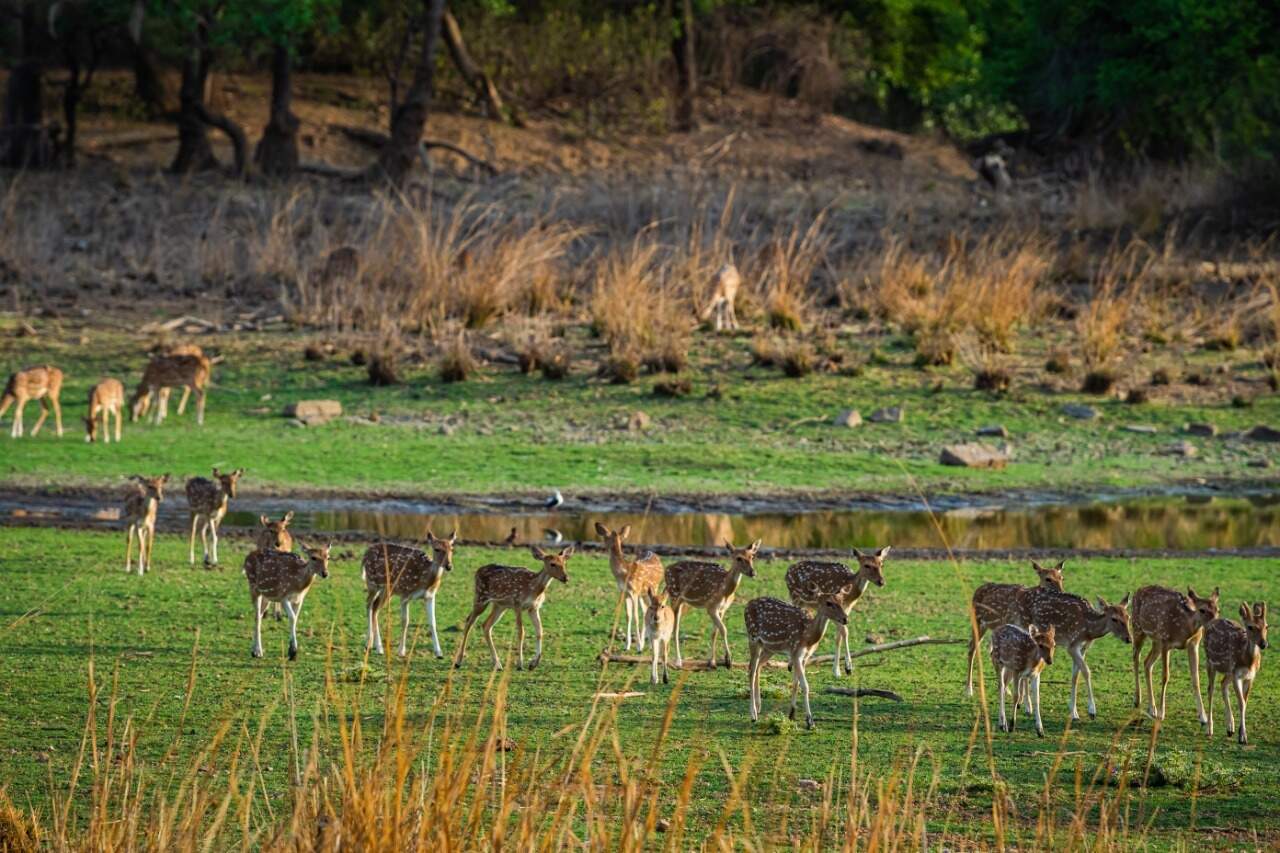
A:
(841, 637)
(144, 550)
(717, 627)
(1035, 696)
(1149, 664)
(128, 550)
(795, 685)
(57, 414)
(1193, 661)
(200, 395)
(666, 652)
(256, 649)
(1004, 680)
(44, 414)
(372, 640)
(204, 538)
(536, 617)
(640, 623)
(1241, 698)
(519, 639)
(1164, 679)
(677, 606)
(186, 395)
(290, 608)
(4, 406)
(430, 604)
(476, 610)
(15, 429)
(195, 518)
(1088, 683)
(975, 640)
(1209, 699)
(494, 616)
(119, 419)
(804, 684)
(1076, 662)
(1226, 704)
(629, 606)
(653, 671)
(213, 534)
(404, 625)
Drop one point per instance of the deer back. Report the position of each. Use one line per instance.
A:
(204, 495)
(644, 573)
(506, 585)
(277, 574)
(774, 624)
(1071, 616)
(695, 582)
(1013, 648)
(996, 604)
(1165, 614)
(31, 383)
(409, 569)
(810, 582)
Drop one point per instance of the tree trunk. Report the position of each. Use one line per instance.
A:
(277, 153)
(148, 83)
(686, 69)
(409, 117)
(486, 92)
(195, 154)
(70, 108)
(24, 140)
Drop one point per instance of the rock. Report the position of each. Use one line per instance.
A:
(310, 409)
(973, 455)
(1263, 433)
(662, 825)
(639, 422)
(873, 639)
(998, 431)
(1079, 411)
(808, 785)
(1260, 463)
(1185, 449)
(848, 418)
(1142, 429)
(890, 415)
(1201, 429)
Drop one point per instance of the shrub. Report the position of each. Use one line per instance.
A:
(456, 360)
(555, 364)
(619, 368)
(798, 359)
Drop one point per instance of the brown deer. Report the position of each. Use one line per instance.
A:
(775, 627)
(140, 506)
(43, 383)
(1172, 621)
(207, 499)
(996, 604)
(286, 578)
(1235, 651)
(409, 573)
(171, 371)
(633, 578)
(693, 583)
(275, 536)
(659, 623)
(106, 399)
(518, 589)
(1018, 655)
(724, 294)
(1076, 626)
(812, 582)
(171, 350)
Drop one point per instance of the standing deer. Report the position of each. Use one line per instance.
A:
(409, 573)
(172, 350)
(1019, 655)
(633, 577)
(812, 582)
(207, 500)
(659, 623)
(166, 372)
(1235, 651)
(693, 583)
(286, 578)
(43, 383)
(518, 589)
(275, 536)
(1172, 621)
(1076, 626)
(140, 507)
(774, 627)
(106, 399)
(725, 284)
(996, 604)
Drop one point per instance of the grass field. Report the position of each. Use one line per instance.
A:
(65, 603)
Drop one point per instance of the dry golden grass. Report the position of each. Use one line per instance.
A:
(456, 362)
(635, 308)
(1103, 325)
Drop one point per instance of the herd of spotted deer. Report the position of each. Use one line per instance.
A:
(1028, 623)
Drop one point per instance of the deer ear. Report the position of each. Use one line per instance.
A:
(1062, 564)
(216, 473)
(858, 553)
(1191, 593)
(431, 537)
(729, 545)
(453, 537)
(883, 552)
(755, 546)
(264, 521)
(1215, 594)
(288, 517)
(567, 553)
(1102, 603)
(625, 531)
(1260, 610)
(601, 529)
(1125, 601)
(239, 472)
(1245, 613)
(537, 552)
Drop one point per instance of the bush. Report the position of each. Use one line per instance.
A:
(456, 361)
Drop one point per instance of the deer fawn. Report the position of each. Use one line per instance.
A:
(633, 578)
(1076, 626)
(518, 589)
(275, 536)
(409, 573)
(692, 583)
(208, 502)
(659, 623)
(286, 578)
(1235, 651)
(140, 507)
(810, 583)
(774, 627)
(42, 383)
(106, 399)
(996, 604)
(1019, 655)
(1172, 621)
(724, 294)
(171, 371)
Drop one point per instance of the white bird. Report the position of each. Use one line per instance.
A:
(555, 537)
(555, 500)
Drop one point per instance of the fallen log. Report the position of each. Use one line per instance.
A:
(863, 692)
(702, 666)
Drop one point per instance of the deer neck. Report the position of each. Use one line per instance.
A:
(731, 581)
(617, 560)
(860, 583)
(539, 584)
(815, 630)
(1094, 627)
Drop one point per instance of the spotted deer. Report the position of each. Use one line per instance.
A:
(709, 586)
(171, 350)
(409, 573)
(1235, 652)
(43, 383)
(164, 373)
(775, 627)
(633, 578)
(286, 578)
(140, 506)
(518, 589)
(659, 623)
(812, 582)
(1076, 626)
(996, 604)
(105, 399)
(1019, 655)
(207, 499)
(275, 536)
(1172, 621)
(725, 284)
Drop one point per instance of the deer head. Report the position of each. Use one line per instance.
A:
(1206, 609)
(153, 486)
(1051, 577)
(1255, 623)
(613, 538)
(442, 549)
(1044, 640)
(833, 611)
(318, 558)
(553, 564)
(871, 566)
(228, 481)
(1117, 618)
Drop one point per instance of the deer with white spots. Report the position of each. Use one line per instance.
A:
(168, 351)
(1076, 626)
(140, 506)
(518, 589)
(811, 582)
(725, 284)
(775, 627)
(105, 399)
(163, 373)
(996, 604)
(1172, 621)
(43, 383)
(659, 623)
(709, 586)
(1235, 652)
(409, 573)
(633, 577)
(1019, 655)
(286, 578)
(275, 536)
(207, 500)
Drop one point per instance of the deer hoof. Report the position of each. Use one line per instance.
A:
(293, 653)
(791, 715)
(1093, 715)
(439, 655)
(1039, 732)
(808, 723)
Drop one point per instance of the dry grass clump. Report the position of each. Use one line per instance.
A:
(456, 360)
(20, 831)
(985, 362)
(1059, 362)
(635, 308)
(384, 369)
(1103, 322)
(555, 363)
(1144, 200)
(619, 368)
(765, 350)
(784, 274)
(797, 358)
(673, 386)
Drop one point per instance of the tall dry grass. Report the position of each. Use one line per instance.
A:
(1116, 295)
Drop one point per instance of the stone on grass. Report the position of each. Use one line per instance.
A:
(1260, 463)
(890, 415)
(1185, 449)
(998, 431)
(1201, 429)
(639, 422)
(808, 785)
(848, 418)
(1079, 411)
(1141, 429)
(1263, 433)
(973, 455)
(313, 412)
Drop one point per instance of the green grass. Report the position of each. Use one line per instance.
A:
(65, 602)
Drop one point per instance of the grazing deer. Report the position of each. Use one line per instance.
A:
(693, 583)
(775, 627)
(409, 573)
(633, 578)
(106, 398)
(275, 535)
(659, 624)
(171, 371)
(208, 502)
(996, 604)
(1235, 651)
(518, 589)
(812, 582)
(1172, 621)
(724, 294)
(43, 383)
(1076, 626)
(186, 349)
(140, 507)
(286, 578)
(1018, 655)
